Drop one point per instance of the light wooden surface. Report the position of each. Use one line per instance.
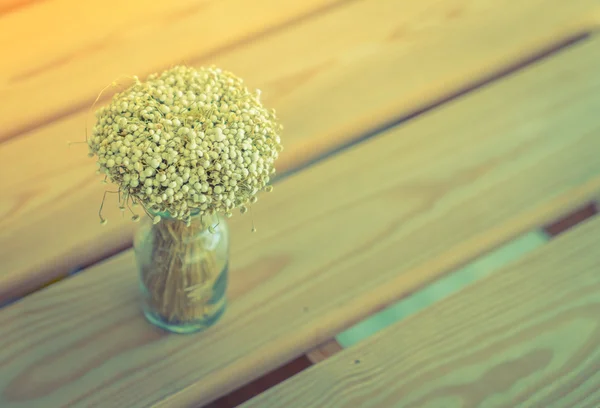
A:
(385, 60)
(528, 336)
(393, 213)
(62, 52)
(81, 47)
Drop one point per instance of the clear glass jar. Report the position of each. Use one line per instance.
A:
(183, 271)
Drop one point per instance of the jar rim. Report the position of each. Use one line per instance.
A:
(166, 215)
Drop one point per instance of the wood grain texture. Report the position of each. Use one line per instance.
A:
(63, 52)
(528, 336)
(396, 61)
(324, 351)
(448, 41)
(336, 242)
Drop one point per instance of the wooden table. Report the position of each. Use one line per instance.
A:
(419, 136)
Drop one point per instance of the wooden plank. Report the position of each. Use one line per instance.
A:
(82, 47)
(49, 225)
(526, 336)
(335, 243)
(450, 41)
(324, 351)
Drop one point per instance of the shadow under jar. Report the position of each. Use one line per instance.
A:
(183, 271)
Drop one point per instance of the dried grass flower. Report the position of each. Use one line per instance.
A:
(187, 141)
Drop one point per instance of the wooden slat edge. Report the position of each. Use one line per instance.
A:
(467, 346)
(333, 321)
(76, 92)
(67, 74)
(559, 226)
(496, 177)
(553, 229)
(63, 200)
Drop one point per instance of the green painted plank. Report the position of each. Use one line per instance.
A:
(444, 287)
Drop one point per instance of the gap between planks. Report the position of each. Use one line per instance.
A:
(156, 50)
(120, 239)
(332, 347)
(554, 229)
(505, 341)
(442, 62)
(532, 214)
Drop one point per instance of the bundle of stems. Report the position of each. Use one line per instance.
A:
(182, 272)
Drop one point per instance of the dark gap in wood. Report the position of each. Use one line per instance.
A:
(281, 374)
(571, 220)
(261, 384)
(30, 287)
(545, 53)
(301, 363)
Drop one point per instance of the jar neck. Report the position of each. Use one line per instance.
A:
(198, 222)
(204, 233)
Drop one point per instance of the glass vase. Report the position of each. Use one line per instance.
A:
(183, 271)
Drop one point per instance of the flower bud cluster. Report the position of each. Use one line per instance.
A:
(187, 141)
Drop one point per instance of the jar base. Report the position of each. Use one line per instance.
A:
(184, 328)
